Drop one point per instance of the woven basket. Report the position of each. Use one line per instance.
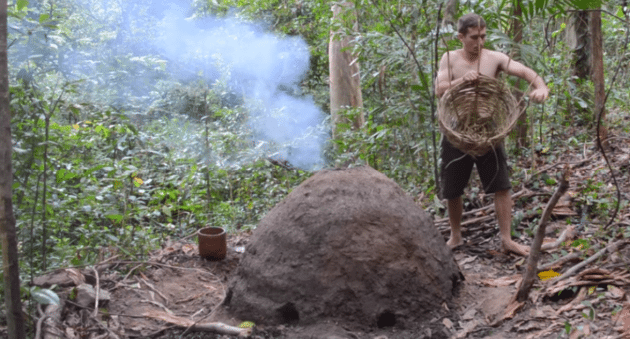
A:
(476, 116)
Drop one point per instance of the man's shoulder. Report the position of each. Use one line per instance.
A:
(496, 55)
(452, 54)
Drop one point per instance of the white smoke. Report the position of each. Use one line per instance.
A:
(264, 67)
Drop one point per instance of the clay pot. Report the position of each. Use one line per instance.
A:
(212, 243)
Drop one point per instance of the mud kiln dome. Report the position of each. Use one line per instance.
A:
(346, 244)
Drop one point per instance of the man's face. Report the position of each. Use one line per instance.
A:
(473, 40)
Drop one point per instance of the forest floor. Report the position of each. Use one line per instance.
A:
(175, 288)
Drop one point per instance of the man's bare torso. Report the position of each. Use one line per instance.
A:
(491, 63)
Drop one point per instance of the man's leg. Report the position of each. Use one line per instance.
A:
(503, 208)
(455, 209)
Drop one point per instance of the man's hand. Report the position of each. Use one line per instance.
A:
(471, 76)
(539, 95)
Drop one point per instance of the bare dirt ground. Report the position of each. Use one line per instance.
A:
(592, 303)
(184, 285)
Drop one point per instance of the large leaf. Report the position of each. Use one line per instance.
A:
(45, 296)
(21, 4)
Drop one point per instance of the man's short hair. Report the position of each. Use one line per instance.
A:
(470, 20)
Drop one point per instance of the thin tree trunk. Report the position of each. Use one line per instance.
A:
(15, 322)
(345, 80)
(517, 37)
(449, 14)
(579, 39)
(597, 71)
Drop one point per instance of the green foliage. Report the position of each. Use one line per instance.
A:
(581, 244)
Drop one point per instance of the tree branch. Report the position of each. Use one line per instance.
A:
(534, 254)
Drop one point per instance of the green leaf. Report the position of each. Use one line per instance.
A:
(43, 18)
(586, 4)
(61, 175)
(21, 4)
(45, 296)
(115, 217)
(112, 237)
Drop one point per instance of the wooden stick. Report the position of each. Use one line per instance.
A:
(560, 261)
(534, 254)
(151, 287)
(97, 292)
(53, 317)
(568, 233)
(204, 327)
(609, 248)
(488, 207)
(38, 328)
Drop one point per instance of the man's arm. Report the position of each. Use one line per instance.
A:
(442, 82)
(513, 67)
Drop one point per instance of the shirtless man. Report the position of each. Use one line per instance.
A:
(492, 167)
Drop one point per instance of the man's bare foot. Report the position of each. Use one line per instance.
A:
(512, 246)
(454, 242)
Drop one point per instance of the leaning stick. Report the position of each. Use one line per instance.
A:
(534, 254)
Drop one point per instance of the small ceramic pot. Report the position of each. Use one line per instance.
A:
(212, 243)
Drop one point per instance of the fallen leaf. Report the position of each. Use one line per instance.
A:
(470, 314)
(512, 309)
(615, 292)
(447, 323)
(189, 248)
(529, 326)
(580, 297)
(545, 312)
(466, 328)
(587, 329)
(575, 334)
(546, 275)
(467, 260)
(503, 281)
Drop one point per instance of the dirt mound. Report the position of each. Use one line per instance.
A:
(346, 244)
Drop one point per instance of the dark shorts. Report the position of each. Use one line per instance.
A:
(456, 168)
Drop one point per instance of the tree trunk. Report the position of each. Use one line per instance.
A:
(517, 36)
(597, 71)
(345, 80)
(450, 9)
(15, 322)
(578, 39)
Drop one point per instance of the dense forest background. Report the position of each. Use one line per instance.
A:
(138, 121)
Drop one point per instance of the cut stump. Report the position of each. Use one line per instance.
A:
(347, 244)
